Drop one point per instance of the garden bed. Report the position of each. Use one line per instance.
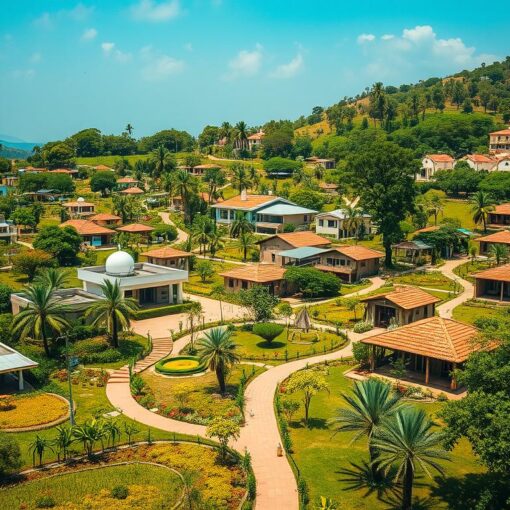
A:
(180, 366)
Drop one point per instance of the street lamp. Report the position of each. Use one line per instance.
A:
(68, 366)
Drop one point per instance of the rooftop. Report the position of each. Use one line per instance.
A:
(406, 297)
(79, 203)
(435, 337)
(502, 132)
(258, 273)
(440, 158)
(207, 165)
(67, 297)
(501, 209)
(500, 274)
(250, 202)
(298, 239)
(126, 180)
(166, 253)
(257, 136)
(502, 237)
(285, 210)
(136, 228)
(86, 227)
(11, 360)
(413, 245)
(104, 217)
(357, 252)
(302, 253)
(341, 214)
(480, 158)
(135, 190)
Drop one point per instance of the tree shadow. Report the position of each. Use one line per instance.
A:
(461, 493)
(270, 345)
(315, 423)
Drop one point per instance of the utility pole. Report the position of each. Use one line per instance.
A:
(68, 364)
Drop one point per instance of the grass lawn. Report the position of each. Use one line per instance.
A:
(197, 286)
(461, 210)
(470, 311)
(232, 251)
(202, 400)
(252, 346)
(467, 269)
(429, 279)
(148, 486)
(334, 312)
(110, 160)
(331, 464)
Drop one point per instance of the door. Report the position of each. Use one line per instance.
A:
(383, 315)
(147, 296)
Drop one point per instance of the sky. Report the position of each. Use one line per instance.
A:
(159, 64)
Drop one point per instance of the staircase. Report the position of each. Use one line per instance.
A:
(161, 347)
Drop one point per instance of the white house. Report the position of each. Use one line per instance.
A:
(480, 162)
(255, 140)
(431, 163)
(334, 223)
(503, 162)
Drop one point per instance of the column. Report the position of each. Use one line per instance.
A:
(170, 294)
(372, 359)
(21, 383)
(179, 293)
(453, 383)
(502, 289)
(427, 369)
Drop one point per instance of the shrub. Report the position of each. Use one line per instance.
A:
(45, 502)
(251, 486)
(29, 262)
(137, 385)
(246, 327)
(10, 454)
(312, 282)
(268, 330)
(120, 492)
(361, 353)
(161, 311)
(362, 327)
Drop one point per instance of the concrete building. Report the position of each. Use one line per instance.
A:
(502, 237)
(268, 275)
(169, 257)
(92, 234)
(480, 162)
(127, 182)
(335, 224)
(255, 140)
(499, 217)
(106, 220)
(79, 208)
(499, 141)
(432, 163)
(493, 283)
(13, 362)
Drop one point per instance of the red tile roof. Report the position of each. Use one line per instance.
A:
(502, 132)
(501, 209)
(440, 158)
(300, 239)
(135, 228)
(356, 252)
(406, 297)
(102, 167)
(79, 204)
(258, 273)
(86, 227)
(166, 253)
(502, 237)
(104, 217)
(251, 201)
(500, 274)
(126, 180)
(480, 158)
(135, 190)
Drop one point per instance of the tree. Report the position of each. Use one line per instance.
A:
(63, 243)
(308, 198)
(60, 182)
(223, 429)
(481, 205)
(38, 447)
(240, 178)
(43, 315)
(497, 185)
(277, 167)
(408, 442)
(462, 179)
(312, 282)
(241, 225)
(129, 129)
(185, 186)
(245, 241)
(104, 182)
(268, 330)
(5, 298)
(53, 278)
(219, 292)
(162, 160)
(217, 350)
(259, 302)
(114, 310)
(30, 261)
(205, 270)
(215, 179)
(290, 408)
(435, 206)
(354, 219)
(383, 175)
(194, 314)
(10, 454)
(277, 143)
(24, 217)
(201, 230)
(499, 252)
(308, 382)
(241, 135)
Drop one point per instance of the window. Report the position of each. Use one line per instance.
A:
(273, 257)
(331, 223)
(342, 262)
(230, 282)
(224, 214)
(363, 264)
(305, 218)
(244, 284)
(321, 223)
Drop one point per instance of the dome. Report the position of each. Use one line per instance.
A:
(80, 199)
(120, 263)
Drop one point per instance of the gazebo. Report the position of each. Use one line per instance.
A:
(12, 361)
(411, 251)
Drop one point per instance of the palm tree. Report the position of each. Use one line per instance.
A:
(407, 442)
(372, 401)
(435, 206)
(169, 185)
(129, 129)
(52, 278)
(215, 242)
(114, 310)
(63, 440)
(215, 178)
(241, 135)
(201, 232)
(499, 252)
(218, 351)
(185, 186)
(225, 130)
(254, 176)
(245, 241)
(240, 178)
(481, 205)
(162, 159)
(298, 175)
(353, 219)
(240, 225)
(43, 314)
(38, 446)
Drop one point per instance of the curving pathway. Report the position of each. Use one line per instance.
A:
(181, 235)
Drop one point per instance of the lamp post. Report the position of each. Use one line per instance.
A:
(68, 366)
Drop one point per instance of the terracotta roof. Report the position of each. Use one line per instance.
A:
(358, 252)
(104, 217)
(502, 132)
(63, 171)
(135, 228)
(480, 158)
(166, 253)
(79, 204)
(257, 136)
(258, 273)
(207, 165)
(135, 190)
(500, 274)
(501, 209)
(440, 158)
(102, 167)
(126, 180)
(250, 202)
(434, 337)
(86, 227)
(406, 297)
(502, 237)
(433, 228)
(300, 239)
(328, 185)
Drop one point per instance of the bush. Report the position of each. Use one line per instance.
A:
(160, 311)
(246, 327)
(120, 492)
(45, 502)
(362, 327)
(30, 261)
(361, 353)
(268, 330)
(281, 166)
(10, 454)
(312, 282)
(95, 350)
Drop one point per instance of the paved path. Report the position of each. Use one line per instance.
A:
(445, 310)
(181, 235)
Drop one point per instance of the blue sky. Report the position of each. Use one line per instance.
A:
(66, 66)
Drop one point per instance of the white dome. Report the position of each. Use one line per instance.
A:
(81, 199)
(120, 263)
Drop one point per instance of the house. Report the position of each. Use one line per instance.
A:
(499, 141)
(499, 217)
(267, 213)
(255, 140)
(270, 247)
(431, 163)
(149, 284)
(65, 171)
(493, 283)
(79, 208)
(403, 305)
(246, 277)
(329, 187)
(103, 168)
(200, 170)
(350, 263)
(480, 162)
(335, 224)
(137, 228)
(106, 220)
(133, 190)
(127, 182)
(13, 362)
(503, 162)
(10, 180)
(326, 163)
(169, 257)
(92, 234)
(43, 195)
(8, 231)
(432, 349)
(502, 237)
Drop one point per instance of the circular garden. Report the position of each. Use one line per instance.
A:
(180, 366)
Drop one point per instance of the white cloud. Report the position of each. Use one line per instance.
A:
(89, 34)
(107, 47)
(35, 58)
(290, 69)
(149, 10)
(158, 67)
(387, 37)
(78, 13)
(188, 47)
(246, 63)
(364, 38)
(109, 50)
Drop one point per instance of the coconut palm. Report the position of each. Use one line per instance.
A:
(225, 130)
(241, 135)
(129, 129)
(245, 241)
(52, 278)
(240, 225)
(43, 315)
(162, 160)
(407, 442)
(481, 205)
(372, 401)
(114, 310)
(218, 351)
(215, 178)
(353, 219)
(435, 206)
(215, 242)
(240, 177)
(185, 186)
(499, 252)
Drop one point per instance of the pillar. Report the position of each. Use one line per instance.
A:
(502, 289)
(179, 293)
(171, 293)
(372, 359)
(453, 382)
(21, 382)
(427, 370)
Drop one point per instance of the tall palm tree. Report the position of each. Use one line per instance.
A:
(185, 186)
(226, 130)
(129, 129)
(215, 241)
(215, 178)
(240, 177)
(241, 135)
(114, 310)
(353, 219)
(201, 232)
(169, 185)
(43, 315)
(161, 158)
(254, 176)
(218, 351)
(372, 401)
(245, 241)
(52, 278)
(435, 206)
(481, 205)
(240, 225)
(499, 252)
(408, 442)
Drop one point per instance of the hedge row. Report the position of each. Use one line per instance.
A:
(150, 313)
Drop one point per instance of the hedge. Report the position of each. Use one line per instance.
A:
(150, 313)
(160, 366)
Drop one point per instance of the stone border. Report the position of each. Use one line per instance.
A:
(48, 425)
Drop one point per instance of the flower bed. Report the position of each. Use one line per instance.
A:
(180, 366)
(33, 411)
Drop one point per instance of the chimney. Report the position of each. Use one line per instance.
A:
(244, 195)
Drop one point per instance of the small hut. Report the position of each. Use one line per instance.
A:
(303, 320)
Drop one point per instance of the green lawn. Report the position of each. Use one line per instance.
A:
(467, 269)
(333, 467)
(470, 311)
(429, 279)
(110, 160)
(461, 210)
(197, 286)
(161, 487)
(232, 251)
